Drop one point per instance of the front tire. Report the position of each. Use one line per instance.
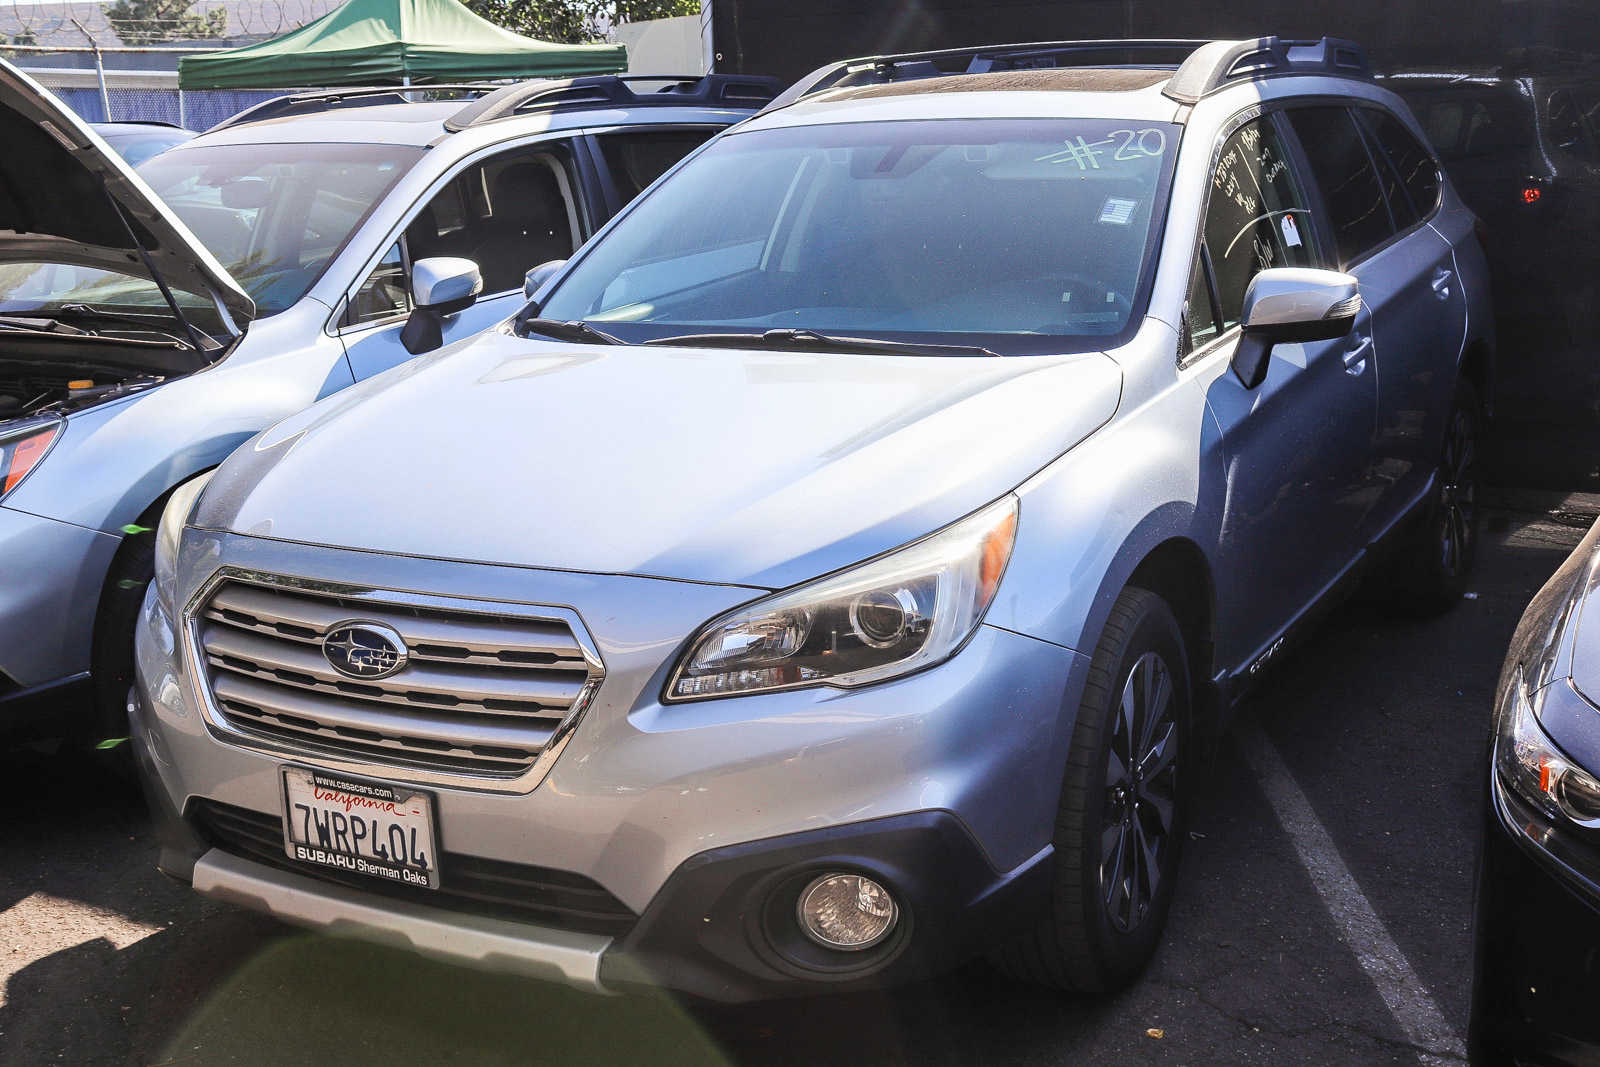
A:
(1121, 820)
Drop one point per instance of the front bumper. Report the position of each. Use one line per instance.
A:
(693, 816)
(53, 575)
(1537, 941)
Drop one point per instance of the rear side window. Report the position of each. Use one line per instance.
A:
(1343, 170)
(1256, 218)
(637, 158)
(1414, 165)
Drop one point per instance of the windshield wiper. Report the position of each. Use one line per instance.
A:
(812, 340)
(58, 323)
(90, 313)
(571, 330)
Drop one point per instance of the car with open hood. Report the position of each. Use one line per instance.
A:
(834, 569)
(152, 320)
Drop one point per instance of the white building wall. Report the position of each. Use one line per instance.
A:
(664, 46)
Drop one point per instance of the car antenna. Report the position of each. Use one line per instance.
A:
(155, 274)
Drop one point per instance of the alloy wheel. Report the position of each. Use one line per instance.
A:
(1141, 794)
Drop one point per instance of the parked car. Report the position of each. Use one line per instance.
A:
(1537, 913)
(131, 367)
(136, 142)
(829, 575)
(1521, 143)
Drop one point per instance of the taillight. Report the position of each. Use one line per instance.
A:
(21, 453)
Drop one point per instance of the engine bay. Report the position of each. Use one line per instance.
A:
(30, 390)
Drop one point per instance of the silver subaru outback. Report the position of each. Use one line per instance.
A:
(833, 570)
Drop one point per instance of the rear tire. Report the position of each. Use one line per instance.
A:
(1121, 820)
(1431, 571)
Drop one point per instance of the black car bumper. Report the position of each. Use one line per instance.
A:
(1536, 982)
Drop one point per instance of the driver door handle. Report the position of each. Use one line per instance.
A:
(1355, 359)
(1441, 282)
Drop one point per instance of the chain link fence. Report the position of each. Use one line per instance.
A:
(87, 83)
(123, 70)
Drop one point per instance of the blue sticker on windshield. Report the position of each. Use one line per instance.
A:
(1117, 211)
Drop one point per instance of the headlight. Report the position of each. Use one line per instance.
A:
(180, 505)
(1529, 763)
(889, 616)
(21, 449)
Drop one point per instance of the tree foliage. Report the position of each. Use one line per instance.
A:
(574, 21)
(139, 22)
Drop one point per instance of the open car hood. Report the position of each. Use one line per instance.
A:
(54, 176)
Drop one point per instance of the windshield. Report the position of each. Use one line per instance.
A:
(275, 215)
(49, 290)
(1022, 236)
(137, 145)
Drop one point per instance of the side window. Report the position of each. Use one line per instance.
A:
(509, 213)
(1256, 218)
(636, 159)
(385, 294)
(1466, 125)
(1343, 170)
(1401, 210)
(1413, 164)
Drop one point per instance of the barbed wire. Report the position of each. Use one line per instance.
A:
(75, 21)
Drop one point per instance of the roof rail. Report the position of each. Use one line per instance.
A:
(616, 90)
(331, 99)
(983, 59)
(1216, 64)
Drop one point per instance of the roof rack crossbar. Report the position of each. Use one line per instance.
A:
(983, 59)
(738, 91)
(1218, 63)
(329, 99)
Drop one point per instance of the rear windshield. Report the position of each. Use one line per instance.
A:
(275, 214)
(1023, 236)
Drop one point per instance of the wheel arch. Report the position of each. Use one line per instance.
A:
(148, 520)
(1178, 571)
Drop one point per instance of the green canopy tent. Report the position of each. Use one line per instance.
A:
(382, 42)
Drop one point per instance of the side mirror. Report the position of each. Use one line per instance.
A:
(534, 280)
(1292, 305)
(440, 286)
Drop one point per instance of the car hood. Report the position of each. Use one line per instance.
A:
(55, 173)
(743, 467)
(1585, 665)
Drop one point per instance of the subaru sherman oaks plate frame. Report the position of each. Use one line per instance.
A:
(363, 827)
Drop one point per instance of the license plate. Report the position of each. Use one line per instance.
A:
(362, 827)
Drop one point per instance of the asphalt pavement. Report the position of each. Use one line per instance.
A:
(1322, 915)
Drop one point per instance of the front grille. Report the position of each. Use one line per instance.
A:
(467, 884)
(481, 694)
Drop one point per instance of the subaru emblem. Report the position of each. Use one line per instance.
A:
(364, 649)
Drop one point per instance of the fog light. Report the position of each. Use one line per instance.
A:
(847, 911)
